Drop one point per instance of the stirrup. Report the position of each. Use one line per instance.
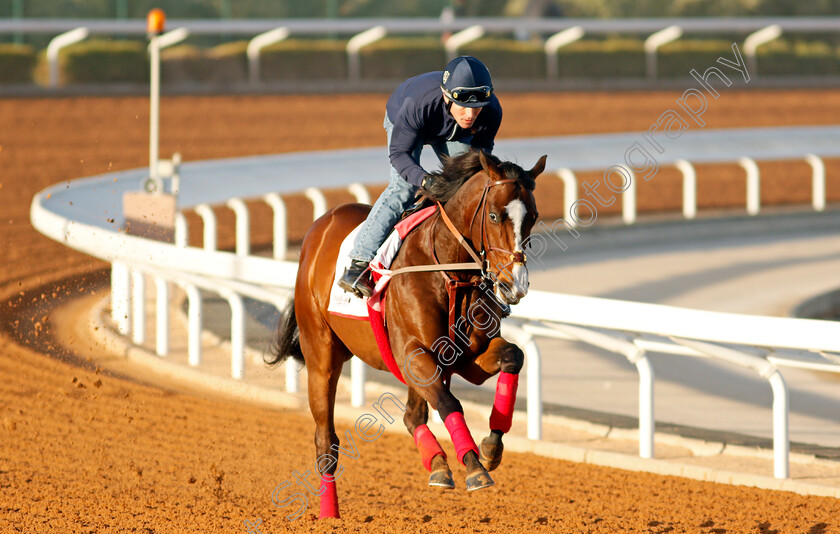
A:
(359, 284)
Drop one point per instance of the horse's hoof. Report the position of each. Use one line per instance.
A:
(490, 453)
(479, 480)
(442, 479)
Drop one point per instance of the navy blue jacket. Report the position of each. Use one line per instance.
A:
(418, 112)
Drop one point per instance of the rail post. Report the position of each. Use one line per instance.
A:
(57, 44)
(628, 197)
(208, 217)
(279, 238)
(554, 43)
(652, 43)
(162, 316)
(355, 45)
(459, 39)
(138, 304)
(255, 47)
(817, 181)
(237, 335)
(570, 192)
(689, 187)
(756, 39)
(243, 226)
(121, 297)
(753, 185)
(768, 371)
(319, 201)
(194, 325)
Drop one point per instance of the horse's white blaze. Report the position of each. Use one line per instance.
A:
(517, 210)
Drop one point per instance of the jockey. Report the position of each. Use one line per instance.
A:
(451, 111)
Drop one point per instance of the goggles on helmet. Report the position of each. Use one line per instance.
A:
(470, 95)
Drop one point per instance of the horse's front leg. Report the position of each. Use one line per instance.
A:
(506, 359)
(434, 459)
(425, 376)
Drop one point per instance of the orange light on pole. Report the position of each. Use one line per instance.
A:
(155, 21)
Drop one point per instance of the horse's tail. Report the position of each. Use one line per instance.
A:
(287, 342)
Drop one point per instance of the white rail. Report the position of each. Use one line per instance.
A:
(695, 25)
(77, 216)
(561, 32)
(59, 42)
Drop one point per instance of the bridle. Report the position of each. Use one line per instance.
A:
(516, 257)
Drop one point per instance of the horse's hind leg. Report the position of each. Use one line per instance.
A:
(325, 355)
(434, 459)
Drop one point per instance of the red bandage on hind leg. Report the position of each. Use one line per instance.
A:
(329, 498)
(461, 437)
(428, 445)
(502, 415)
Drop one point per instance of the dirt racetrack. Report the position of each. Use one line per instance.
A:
(86, 450)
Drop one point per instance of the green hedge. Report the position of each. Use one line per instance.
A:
(508, 59)
(226, 63)
(616, 58)
(675, 60)
(783, 58)
(184, 64)
(304, 59)
(101, 61)
(17, 63)
(401, 58)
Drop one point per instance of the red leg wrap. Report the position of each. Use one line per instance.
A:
(502, 415)
(427, 445)
(329, 498)
(461, 437)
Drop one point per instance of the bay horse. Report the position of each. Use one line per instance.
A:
(439, 323)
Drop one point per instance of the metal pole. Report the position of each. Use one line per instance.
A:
(628, 199)
(243, 226)
(138, 304)
(570, 190)
(817, 181)
(122, 9)
(121, 297)
(279, 234)
(162, 317)
(237, 336)
(357, 381)
(154, 106)
(647, 422)
(194, 325)
(17, 13)
(689, 188)
(753, 185)
(652, 43)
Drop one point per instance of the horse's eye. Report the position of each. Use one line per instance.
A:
(494, 217)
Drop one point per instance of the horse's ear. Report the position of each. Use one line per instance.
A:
(538, 168)
(488, 164)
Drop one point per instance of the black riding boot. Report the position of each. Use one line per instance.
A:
(356, 279)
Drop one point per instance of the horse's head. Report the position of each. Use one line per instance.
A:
(492, 204)
(502, 222)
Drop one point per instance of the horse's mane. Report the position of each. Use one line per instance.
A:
(456, 170)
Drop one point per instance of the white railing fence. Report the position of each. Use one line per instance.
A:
(458, 31)
(74, 215)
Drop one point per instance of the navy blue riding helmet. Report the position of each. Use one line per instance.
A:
(467, 81)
